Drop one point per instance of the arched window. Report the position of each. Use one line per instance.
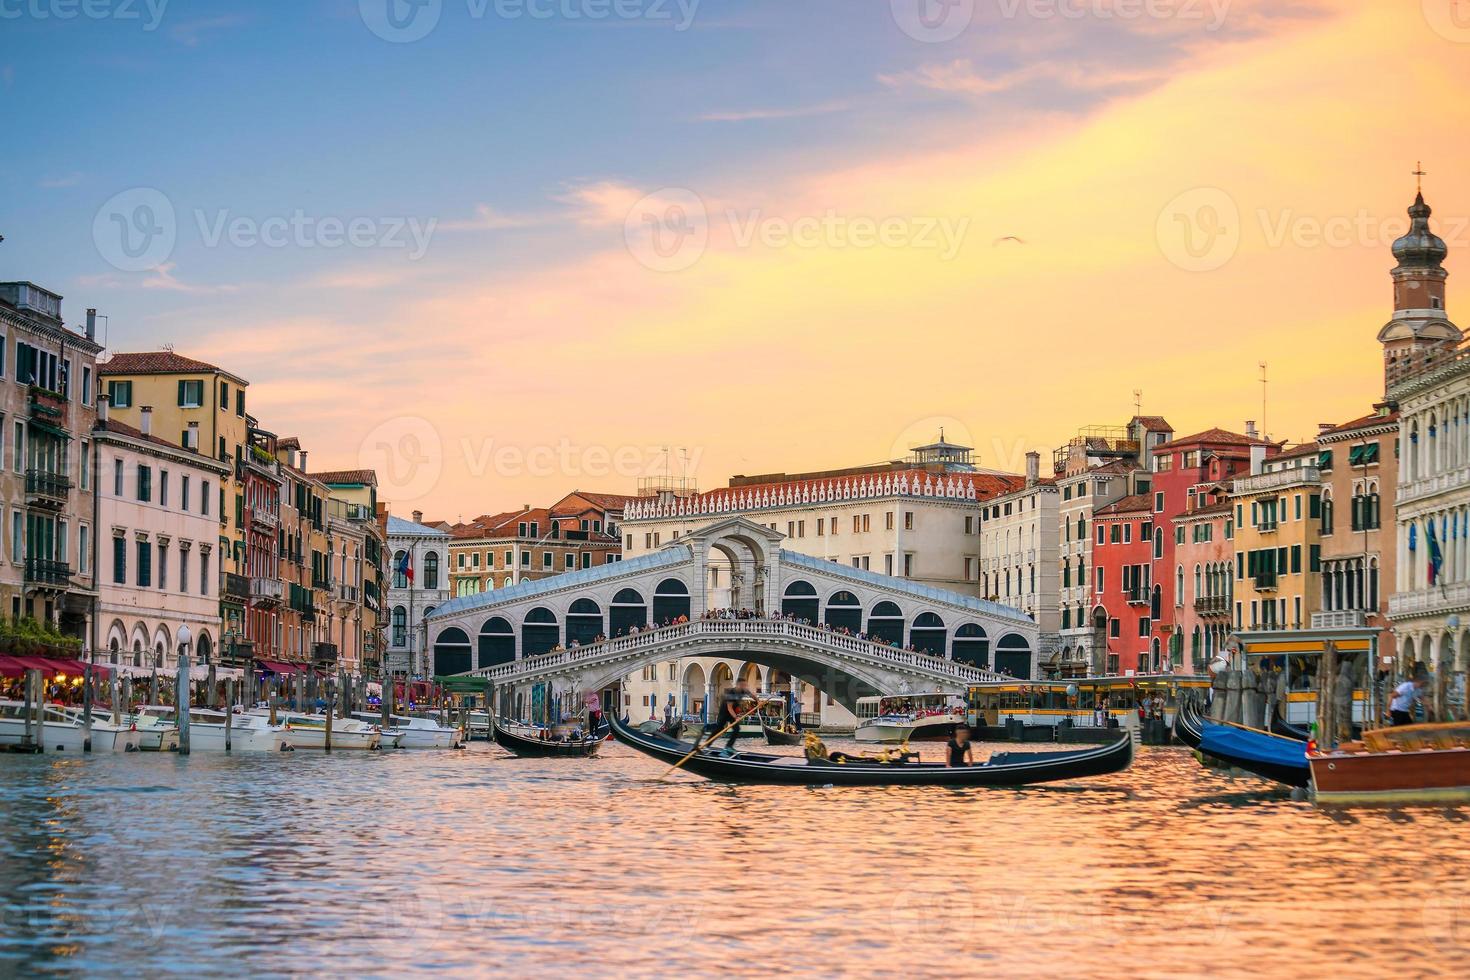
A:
(1179, 585)
(497, 642)
(400, 580)
(584, 622)
(539, 631)
(626, 611)
(451, 652)
(1013, 655)
(431, 570)
(885, 623)
(972, 646)
(800, 600)
(928, 635)
(670, 601)
(400, 627)
(1158, 542)
(844, 611)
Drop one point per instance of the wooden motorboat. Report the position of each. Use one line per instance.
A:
(1407, 764)
(1283, 760)
(526, 740)
(1001, 770)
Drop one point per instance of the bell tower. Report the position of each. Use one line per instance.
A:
(1420, 327)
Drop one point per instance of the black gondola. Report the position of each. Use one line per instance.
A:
(1003, 769)
(776, 736)
(526, 745)
(1286, 729)
(1187, 726)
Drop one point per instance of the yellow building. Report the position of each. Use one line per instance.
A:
(1278, 554)
(197, 406)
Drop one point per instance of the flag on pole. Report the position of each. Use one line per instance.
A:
(1436, 557)
(405, 566)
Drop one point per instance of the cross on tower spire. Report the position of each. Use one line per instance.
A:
(1419, 174)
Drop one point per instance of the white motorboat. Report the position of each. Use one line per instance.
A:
(64, 731)
(479, 726)
(902, 717)
(154, 734)
(309, 731)
(418, 733)
(248, 732)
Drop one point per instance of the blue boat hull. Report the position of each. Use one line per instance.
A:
(1283, 760)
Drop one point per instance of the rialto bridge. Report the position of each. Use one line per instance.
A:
(846, 632)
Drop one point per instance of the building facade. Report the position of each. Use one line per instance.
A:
(156, 548)
(1018, 552)
(410, 601)
(497, 551)
(47, 410)
(1205, 556)
(1278, 550)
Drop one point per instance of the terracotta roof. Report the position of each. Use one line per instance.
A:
(1209, 510)
(611, 501)
(365, 477)
(123, 429)
(1305, 449)
(1366, 422)
(1127, 505)
(1218, 437)
(288, 442)
(1153, 423)
(155, 362)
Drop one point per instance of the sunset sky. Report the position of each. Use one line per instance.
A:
(1003, 218)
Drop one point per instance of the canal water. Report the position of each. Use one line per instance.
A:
(475, 862)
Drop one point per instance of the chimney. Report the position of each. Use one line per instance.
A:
(191, 441)
(92, 323)
(1033, 468)
(145, 420)
(1323, 427)
(104, 402)
(418, 517)
(303, 462)
(1250, 429)
(1258, 459)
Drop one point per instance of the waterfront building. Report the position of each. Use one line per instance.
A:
(355, 557)
(1278, 515)
(1018, 553)
(1125, 602)
(1427, 378)
(200, 407)
(497, 551)
(305, 560)
(411, 601)
(1098, 467)
(156, 547)
(258, 587)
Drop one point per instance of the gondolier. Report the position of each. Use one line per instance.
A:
(736, 702)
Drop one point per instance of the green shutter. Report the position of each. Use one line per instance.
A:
(1296, 559)
(1316, 559)
(181, 392)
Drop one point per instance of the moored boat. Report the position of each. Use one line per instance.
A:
(534, 741)
(779, 736)
(1273, 757)
(410, 732)
(309, 731)
(1187, 726)
(1000, 770)
(64, 731)
(248, 732)
(1408, 764)
(906, 717)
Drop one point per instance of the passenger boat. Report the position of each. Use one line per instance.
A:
(528, 740)
(248, 732)
(779, 736)
(1260, 753)
(1083, 700)
(65, 731)
(309, 731)
(1408, 764)
(410, 732)
(908, 717)
(1002, 769)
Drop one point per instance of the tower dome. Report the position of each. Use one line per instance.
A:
(1421, 247)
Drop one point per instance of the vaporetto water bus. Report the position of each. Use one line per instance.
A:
(901, 717)
(1085, 702)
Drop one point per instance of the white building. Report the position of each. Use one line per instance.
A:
(155, 549)
(409, 602)
(1018, 550)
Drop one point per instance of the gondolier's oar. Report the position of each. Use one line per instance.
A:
(697, 746)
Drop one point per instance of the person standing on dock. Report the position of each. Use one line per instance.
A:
(1405, 697)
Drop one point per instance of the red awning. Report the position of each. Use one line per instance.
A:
(17, 666)
(276, 667)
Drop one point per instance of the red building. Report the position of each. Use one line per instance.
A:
(1122, 581)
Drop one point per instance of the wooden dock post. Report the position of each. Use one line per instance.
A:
(87, 708)
(331, 710)
(229, 710)
(182, 696)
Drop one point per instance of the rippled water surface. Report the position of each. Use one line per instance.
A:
(474, 862)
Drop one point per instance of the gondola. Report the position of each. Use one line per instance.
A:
(1187, 726)
(1284, 728)
(775, 736)
(1274, 757)
(1003, 769)
(525, 745)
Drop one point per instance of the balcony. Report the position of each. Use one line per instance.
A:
(1212, 605)
(264, 517)
(1138, 597)
(44, 573)
(1339, 619)
(46, 489)
(1296, 476)
(321, 582)
(237, 586)
(48, 406)
(324, 653)
(347, 593)
(266, 591)
(240, 653)
(1432, 601)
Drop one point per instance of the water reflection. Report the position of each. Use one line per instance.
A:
(471, 861)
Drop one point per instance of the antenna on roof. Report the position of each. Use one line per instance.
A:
(1263, 398)
(1137, 401)
(168, 347)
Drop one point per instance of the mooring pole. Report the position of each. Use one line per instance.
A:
(87, 708)
(229, 710)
